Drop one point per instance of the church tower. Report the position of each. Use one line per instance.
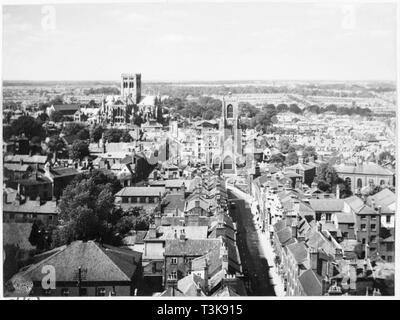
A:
(131, 86)
(230, 135)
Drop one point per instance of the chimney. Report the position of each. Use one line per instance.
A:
(157, 219)
(152, 233)
(314, 259)
(206, 276)
(198, 290)
(337, 192)
(224, 256)
(182, 236)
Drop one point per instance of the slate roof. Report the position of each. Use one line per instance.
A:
(103, 263)
(140, 192)
(31, 206)
(63, 172)
(299, 251)
(25, 158)
(310, 283)
(17, 233)
(284, 235)
(354, 202)
(191, 247)
(16, 167)
(344, 217)
(326, 205)
(366, 169)
(384, 197)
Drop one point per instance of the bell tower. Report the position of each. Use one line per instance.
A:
(131, 86)
(230, 135)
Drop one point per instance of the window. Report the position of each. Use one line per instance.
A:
(363, 227)
(134, 199)
(363, 216)
(373, 239)
(229, 111)
(65, 292)
(101, 292)
(389, 259)
(173, 275)
(174, 261)
(151, 199)
(345, 234)
(142, 199)
(124, 200)
(363, 241)
(197, 203)
(373, 227)
(359, 183)
(389, 247)
(50, 217)
(388, 219)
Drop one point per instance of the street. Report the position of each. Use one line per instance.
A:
(255, 266)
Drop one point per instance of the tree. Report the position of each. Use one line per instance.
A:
(73, 128)
(43, 117)
(385, 156)
(314, 109)
(309, 151)
(7, 132)
(247, 110)
(126, 137)
(295, 109)
(28, 126)
(282, 108)
(39, 237)
(113, 135)
(277, 158)
(327, 177)
(56, 144)
(56, 116)
(79, 150)
(97, 133)
(284, 145)
(83, 134)
(292, 158)
(87, 209)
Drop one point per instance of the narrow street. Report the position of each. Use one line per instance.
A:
(255, 266)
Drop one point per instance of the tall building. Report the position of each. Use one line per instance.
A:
(230, 135)
(131, 86)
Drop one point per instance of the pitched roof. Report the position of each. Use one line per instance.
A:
(344, 217)
(63, 172)
(354, 202)
(140, 192)
(366, 210)
(384, 197)
(190, 247)
(31, 206)
(310, 283)
(284, 235)
(299, 251)
(334, 205)
(367, 169)
(25, 158)
(17, 233)
(103, 263)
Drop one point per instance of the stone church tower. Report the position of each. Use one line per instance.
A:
(131, 86)
(230, 135)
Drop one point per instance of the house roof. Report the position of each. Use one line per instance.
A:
(140, 192)
(16, 167)
(63, 172)
(17, 233)
(174, 201)
(284, 235)
(66, 107)
(25, 159)
(173, 232)
(384, 197)
(354, 202)
(31, 206)
(310, 283)
(366, 210)
(344, 217)
(101, 263)
(299, 251)
(367, 169)
(326, 205)
(190, 247)
(300, 166)
(190, 284)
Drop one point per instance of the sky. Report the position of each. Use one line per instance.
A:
(200, 41)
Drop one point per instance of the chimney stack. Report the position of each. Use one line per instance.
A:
(182, 236)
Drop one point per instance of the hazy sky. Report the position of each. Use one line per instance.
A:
(178, 41)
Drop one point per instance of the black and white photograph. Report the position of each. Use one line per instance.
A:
(201, 149)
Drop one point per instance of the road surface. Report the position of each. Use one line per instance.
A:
(255, 266)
